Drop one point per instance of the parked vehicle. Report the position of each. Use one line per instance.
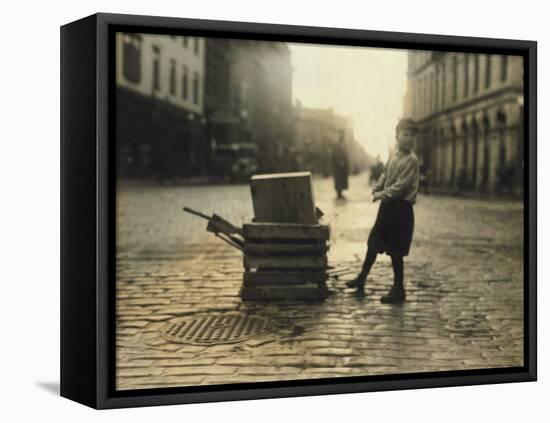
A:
(235, 162)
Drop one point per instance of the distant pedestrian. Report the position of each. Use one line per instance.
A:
(393, 229)
(340, 166)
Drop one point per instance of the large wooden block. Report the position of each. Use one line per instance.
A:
(283, 198)
(285, 231)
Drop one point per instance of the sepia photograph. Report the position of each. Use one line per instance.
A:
(296, 211)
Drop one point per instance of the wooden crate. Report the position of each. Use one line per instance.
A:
(283, 198)
(285, 261)
(291, 231)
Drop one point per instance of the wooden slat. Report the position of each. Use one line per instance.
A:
(285, 231)
(295, 262)
(254, 248)
(282, 278)
(304, 292)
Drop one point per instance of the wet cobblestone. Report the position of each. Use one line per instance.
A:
(464, 281)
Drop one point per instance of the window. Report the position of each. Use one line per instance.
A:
(466, 75)
(435, 89)
(421, 96)
(476, 73)
(428, 94)
(443, 84)
(156, 68)
(455, 78)
(185, 41)
(184, 83)
(503, 68)
(415, 98)
(195, 88)
(425, 98)
(418, 97)
(131, 57)
(244, 95)
(425, 95)
(172, 76)
(487, 71)
(196, 46)
(433, 98)
(437, 79)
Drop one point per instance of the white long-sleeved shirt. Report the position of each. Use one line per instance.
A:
(400, 177)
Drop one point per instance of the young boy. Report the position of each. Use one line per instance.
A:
(393, 229)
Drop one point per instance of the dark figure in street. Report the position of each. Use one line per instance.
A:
(376, 171)
(424, 181)
(340, 166)
(392, 232)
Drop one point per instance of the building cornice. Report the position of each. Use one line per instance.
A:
(499, 96)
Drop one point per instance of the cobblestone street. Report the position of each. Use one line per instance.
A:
(464, 281)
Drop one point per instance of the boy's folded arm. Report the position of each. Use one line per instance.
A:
(380, 184)
(404, 182)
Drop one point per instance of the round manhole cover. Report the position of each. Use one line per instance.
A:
(217, 328)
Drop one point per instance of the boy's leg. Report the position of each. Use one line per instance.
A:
(359, 281)
(397, 291)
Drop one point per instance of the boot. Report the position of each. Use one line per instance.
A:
(358, 282)
(396, 295)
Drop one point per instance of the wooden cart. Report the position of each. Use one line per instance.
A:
(285, 248)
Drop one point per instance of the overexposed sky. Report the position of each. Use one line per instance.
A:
(365, 84)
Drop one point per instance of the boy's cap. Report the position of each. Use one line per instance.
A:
(407, 123)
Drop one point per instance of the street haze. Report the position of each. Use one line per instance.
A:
(365, 84)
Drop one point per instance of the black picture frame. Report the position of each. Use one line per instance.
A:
(88, 221)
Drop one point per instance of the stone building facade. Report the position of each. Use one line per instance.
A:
(469, 108)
